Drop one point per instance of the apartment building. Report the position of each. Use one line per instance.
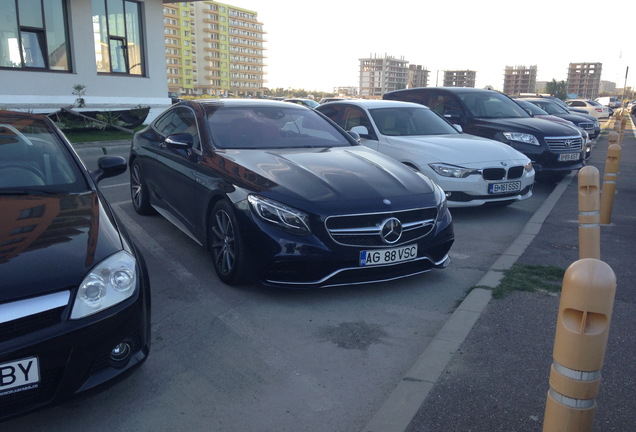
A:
(379, 75)
(213, 49)
(520, 79)
(418, 76)
(459, 78)
(584, 80)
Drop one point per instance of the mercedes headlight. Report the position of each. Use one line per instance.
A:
(521, 137)
(285, 217)
(109, 283)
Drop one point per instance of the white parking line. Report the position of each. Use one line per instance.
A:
(217, 307)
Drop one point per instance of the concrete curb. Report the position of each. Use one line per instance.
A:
(405, 400)
(101, 148)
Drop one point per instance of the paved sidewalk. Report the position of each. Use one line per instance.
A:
(488, 369)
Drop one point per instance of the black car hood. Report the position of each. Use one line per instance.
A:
(325, 174)
(51, 242)
(535, 126)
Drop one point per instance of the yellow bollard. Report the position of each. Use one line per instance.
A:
(610, 179)
(617, 126)
(622, 132)
(585, 312)
(613, 138)
(589, 213)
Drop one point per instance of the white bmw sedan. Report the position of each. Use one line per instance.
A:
(473, 171)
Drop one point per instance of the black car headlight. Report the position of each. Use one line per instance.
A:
(285, 217)
(522, 138)
(440, 201)
(109, 283)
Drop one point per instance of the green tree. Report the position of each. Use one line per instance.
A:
(558, 89)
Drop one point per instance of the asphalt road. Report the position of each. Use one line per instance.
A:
(261, 359)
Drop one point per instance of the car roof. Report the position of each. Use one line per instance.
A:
(238, 102)
(375, 103)
(447, 89)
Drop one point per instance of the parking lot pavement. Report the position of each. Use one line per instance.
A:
(497, 378)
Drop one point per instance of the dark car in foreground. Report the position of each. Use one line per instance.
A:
(74, 293)
(554, 149)
(282, 196)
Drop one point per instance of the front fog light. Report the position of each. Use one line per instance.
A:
(121, 352)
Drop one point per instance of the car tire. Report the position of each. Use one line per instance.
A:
(226, 245)
(139, 191)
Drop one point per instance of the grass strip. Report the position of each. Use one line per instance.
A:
(530, 278)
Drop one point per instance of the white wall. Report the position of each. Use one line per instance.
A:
(48, 91)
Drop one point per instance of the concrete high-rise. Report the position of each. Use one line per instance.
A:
(584, 80)
(459, 78)
(379, 75)
(520, 79)
(213, 49)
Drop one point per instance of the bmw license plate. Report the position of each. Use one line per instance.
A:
(499, 188)
(388, 256)
(563, 157)
(19, 375)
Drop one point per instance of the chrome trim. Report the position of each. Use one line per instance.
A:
(377, 230)
(436, 264)
(24, 308)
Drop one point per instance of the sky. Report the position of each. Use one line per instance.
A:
(316, 45)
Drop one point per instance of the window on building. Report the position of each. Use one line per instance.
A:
(34, 35)
(118, 37)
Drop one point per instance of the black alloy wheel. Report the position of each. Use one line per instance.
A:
(225, 244)
(139, 191)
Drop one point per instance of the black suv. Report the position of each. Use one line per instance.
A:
(554, 149)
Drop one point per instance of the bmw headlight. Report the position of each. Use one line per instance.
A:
(109, 283)
(522, 138)
(285, 217)
(528, 167)
(446, 170)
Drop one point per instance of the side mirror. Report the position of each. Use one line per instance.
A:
(180, 141)
(109, 166)
(355, 135)
(360, 130)
(459, 128)
(452, 114)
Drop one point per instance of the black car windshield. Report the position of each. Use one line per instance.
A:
(491, 105)
(33, 157)
(262, 127)
(532, 108)
(410, 122)
(551, 107)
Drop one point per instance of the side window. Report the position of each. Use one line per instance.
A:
(333, 112)
(441, 103)
(117, 30)
(353, 117)
(34, 35)
(180, 120)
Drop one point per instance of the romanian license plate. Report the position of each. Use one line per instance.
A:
(563, 157)
(499, 188)
(388, 256)
(19, 375)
